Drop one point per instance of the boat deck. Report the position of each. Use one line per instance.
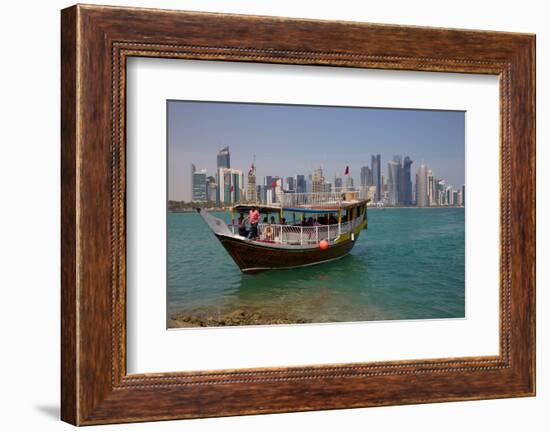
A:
(301, 235)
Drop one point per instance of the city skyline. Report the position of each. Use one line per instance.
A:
(228, 187)
(441, 133)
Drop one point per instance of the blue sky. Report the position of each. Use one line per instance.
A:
(295, 139)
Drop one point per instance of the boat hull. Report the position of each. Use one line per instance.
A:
(252, 257)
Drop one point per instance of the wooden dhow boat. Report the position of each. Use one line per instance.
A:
(324, 227)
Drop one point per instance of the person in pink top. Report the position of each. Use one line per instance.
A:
(253, 218)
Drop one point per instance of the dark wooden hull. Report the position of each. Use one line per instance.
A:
(255, 257)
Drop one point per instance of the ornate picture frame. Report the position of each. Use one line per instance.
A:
(96, 41)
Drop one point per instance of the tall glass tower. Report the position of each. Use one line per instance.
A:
(406, 185)
(422, 186)
(393, 180)
(376, 176)
(224, 158)
(223, 162)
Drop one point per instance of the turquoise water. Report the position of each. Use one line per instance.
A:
(409, 264)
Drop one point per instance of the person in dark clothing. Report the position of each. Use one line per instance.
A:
(242, 226)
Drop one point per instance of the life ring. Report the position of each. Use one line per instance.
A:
(268, 231)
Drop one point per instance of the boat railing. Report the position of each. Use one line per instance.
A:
(302, 235)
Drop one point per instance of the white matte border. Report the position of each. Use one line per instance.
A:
(153, 348)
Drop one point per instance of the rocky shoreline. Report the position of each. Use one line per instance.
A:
(237, 317)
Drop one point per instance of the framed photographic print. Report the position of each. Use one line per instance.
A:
(267, 215)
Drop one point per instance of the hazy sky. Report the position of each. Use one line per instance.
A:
(295, 139)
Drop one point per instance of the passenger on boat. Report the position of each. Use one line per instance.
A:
(242, 226)
(253, 219)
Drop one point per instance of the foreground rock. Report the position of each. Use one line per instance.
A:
(234, 318)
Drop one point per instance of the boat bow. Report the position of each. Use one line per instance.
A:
(217, 225)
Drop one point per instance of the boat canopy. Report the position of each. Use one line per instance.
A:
(315, 209)
(263, 209)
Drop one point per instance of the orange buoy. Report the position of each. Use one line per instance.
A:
(323, 245)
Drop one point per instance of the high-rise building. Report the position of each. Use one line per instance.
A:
(291, 184)
(300, 184)
(406, 183)
(276, 189)
(431, 188)
(273, 186)
(366, 176)
(441, 188)
(449, 196)
(309, 183)
(192, 184)
(422, 186)
(393, 181)
(261, 193)
(455, 198)
(211, 188)
(376, 176)
(224, 158)
(338, 183)
(463, 203)
(230, 185)
(317, 181)
(251, 192)
(198, 185)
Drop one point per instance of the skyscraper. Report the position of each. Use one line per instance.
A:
(251, 192)
(276, 188)
(317, 181)
(222, 162)
(376, 175)
(422, 186)
(455, 198)
(211, 188)
(406, 183)
(463, 195)
(261, 193)
(449, 196)
(393, 181)
(224, 158)
(198, 184)
(193, 170)
(366, 176)
(300, 184)
(273, 186)
(230, 185)
(441, 194)
(431, 185)
(291, 184)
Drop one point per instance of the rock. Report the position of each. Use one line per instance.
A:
(238, 317)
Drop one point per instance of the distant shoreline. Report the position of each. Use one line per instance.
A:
(192, 210)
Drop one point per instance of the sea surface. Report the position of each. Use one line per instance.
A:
(408, 264)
